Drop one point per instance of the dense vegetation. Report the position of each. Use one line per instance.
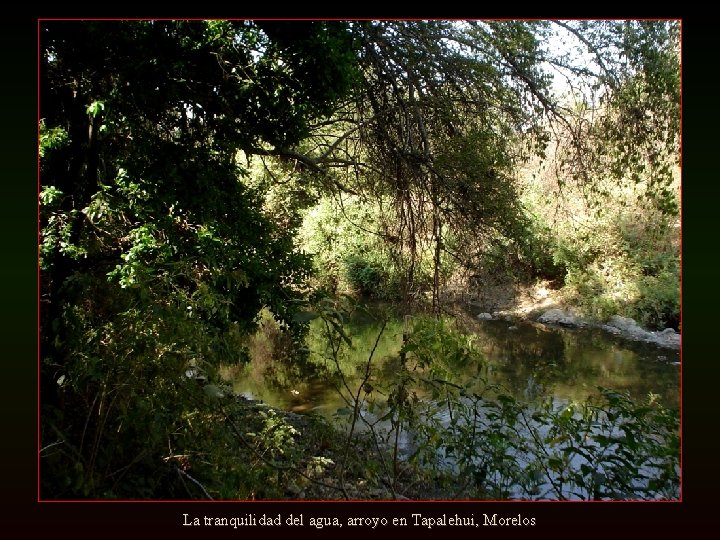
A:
(197, 174)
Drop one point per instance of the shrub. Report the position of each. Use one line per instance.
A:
(366, 277)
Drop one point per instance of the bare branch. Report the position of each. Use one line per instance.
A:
(592, 49)
(311, 163)
(183, 475)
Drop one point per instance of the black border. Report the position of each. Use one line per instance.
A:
(20, 509)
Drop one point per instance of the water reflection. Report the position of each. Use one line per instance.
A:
(529, 360)
(571, 364)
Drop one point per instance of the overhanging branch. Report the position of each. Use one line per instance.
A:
(311, 163)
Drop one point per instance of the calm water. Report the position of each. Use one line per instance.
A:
(529, 360)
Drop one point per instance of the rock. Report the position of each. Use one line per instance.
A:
(485, 317)
(624, 327)
(625, 324)
(669, 340)
(558, 316)
(619, 326)
(512, 327)
(628, 328)
(610, 329)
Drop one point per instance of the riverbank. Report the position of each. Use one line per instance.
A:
(321, 462)
(544, 305)
(529, 359)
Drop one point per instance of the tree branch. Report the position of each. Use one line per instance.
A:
(311, 163)
(186, 475)
(591, 48)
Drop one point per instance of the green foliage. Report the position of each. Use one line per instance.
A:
(628, 122)
(658, 305)
(611, 449)
(440, 116)
(95, 109)
(435, 344)
(627, 266)
(276, 438)
(646, 142)
(349, 249)
(155, 257)
(606, 203)
(51, 139)
(618, 249)
(392, 151)
(365, 277)
(537, 246)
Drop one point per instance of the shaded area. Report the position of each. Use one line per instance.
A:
(528, 360)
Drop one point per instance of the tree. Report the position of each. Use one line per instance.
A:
(435, 126)
(155, 257)
(623, 119)
(448, 111)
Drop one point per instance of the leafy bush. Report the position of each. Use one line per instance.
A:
(659, 302)
(537, 249)
(613, 448)
(349, 251)
(365, 277)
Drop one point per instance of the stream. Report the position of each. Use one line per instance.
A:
(529, 360)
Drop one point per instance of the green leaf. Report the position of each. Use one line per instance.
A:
(95, 108)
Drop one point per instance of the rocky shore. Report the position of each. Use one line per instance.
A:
(624, 327)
